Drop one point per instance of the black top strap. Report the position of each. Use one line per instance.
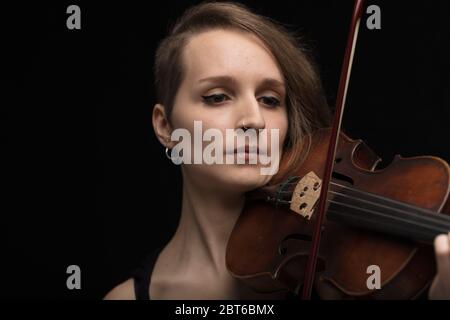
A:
(142, 275)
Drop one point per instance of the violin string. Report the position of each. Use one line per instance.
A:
(410, 229)
(398, 226)
(430, 230)
(431, 218)
(406, 222)
(430, 214)
(437, 218)
(374, 196)
(398, 229)
(444, 221)
(432, 222)
(435, 228)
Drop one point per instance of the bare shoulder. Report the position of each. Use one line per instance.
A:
(124, 291)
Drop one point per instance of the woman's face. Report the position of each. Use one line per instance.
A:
(230, 78)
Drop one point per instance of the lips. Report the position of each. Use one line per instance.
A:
(247, 149)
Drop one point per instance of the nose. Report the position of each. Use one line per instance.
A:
(252, 116)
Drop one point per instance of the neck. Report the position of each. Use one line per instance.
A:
(207, 219)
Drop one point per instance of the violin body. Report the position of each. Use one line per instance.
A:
(367, 224)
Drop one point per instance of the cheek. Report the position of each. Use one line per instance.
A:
(284, 127)
(279, 122)
(184, 115)
(201, 121)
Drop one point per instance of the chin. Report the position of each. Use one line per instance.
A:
(229, 178)
(244, 177)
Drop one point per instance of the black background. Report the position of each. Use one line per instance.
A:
(85, 180)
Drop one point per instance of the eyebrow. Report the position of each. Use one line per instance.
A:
(266, 82)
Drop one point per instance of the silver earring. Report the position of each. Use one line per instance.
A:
(167, 154)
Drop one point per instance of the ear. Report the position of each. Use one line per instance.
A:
(161, 125)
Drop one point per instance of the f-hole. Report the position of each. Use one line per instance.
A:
(283, 246)
(342, 177)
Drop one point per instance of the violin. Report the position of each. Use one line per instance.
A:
(387, 218)
(329, 221)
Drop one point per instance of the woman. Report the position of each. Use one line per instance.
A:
(230, 69)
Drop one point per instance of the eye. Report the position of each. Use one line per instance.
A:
(270, 101)
(215, 98)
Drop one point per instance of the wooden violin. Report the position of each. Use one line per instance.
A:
(387, 218)
(328, 221)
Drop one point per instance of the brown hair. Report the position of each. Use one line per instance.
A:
(305, 99)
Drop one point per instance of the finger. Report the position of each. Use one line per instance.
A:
(442, 250)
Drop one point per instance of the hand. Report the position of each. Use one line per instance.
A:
(440, 289)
